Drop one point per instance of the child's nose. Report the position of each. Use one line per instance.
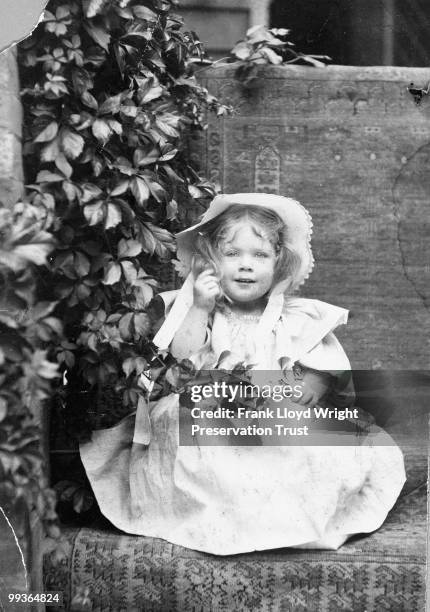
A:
(245, 262)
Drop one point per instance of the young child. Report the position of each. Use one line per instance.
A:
(243, 261)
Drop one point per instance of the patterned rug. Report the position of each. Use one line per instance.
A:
(123, 573)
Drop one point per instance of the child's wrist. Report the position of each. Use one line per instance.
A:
(200, 310)
(203, 304)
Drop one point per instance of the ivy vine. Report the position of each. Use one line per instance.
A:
(109, 97)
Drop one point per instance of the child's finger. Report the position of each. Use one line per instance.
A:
(296, 398)
(208, 280)
(313, 402)
(214, 290)
(211, 285)
(207, 272)
(212, 281)
(305, 399)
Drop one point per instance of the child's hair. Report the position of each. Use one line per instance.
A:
(266, 224)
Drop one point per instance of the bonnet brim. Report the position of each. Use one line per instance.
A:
(295, 216)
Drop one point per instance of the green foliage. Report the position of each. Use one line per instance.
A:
(109, 102)
(262, 47)
(26, 372)
(109, 95)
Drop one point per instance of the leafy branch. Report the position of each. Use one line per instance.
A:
(264, 46)
(109, 97)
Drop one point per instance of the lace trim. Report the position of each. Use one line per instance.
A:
(235, 316)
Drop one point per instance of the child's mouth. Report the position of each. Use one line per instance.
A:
(244, 280)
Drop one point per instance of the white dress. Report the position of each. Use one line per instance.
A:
(234, 499)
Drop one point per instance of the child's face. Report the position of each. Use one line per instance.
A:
(247, 264)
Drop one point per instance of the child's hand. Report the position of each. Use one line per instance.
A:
(206, 290)
(309, 398)
(314, 386)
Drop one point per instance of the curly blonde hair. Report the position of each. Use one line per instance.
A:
(266, 224)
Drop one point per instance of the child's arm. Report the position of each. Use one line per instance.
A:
(314, 386)
(191, 335)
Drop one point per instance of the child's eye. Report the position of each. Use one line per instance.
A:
(230, 253)
(261, 254)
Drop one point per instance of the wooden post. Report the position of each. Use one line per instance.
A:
(388, 33)
(24, 520)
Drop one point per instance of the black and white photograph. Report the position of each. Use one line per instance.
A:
(214, 305)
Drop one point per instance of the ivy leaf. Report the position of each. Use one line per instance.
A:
(149, 243)
(90, 192)
(157, 191)
(48, 133)
(89, 100)
(40, 366)
(81, 81)
(10, 320)
(173, 176)
(271, 55)
(145, 158)
(195, 192)
(142, 324)
(55, 85)
(3, 408)
(93, 7)
(128, 366)
(242, 50)
(71, 143)
(100, 36)
(129, 270)
(34, 253)
(168, 156)
(64, 263)
(55, 324)
(166, 127)
(42, 309)
(94, 213)
(115, 126)
(156, 60)
(82, 264)
(62, 12)
(113, 216)
(125, 326)
(129, 109)
(63, 165)
(110, 105)
(140, 365)
(128, 213)
(144, 293)
(149, 93)
(143, 12)
(98, 165)
(120, 188)
(119, 53)
(50, 151)
(101, 130)
(172, 210)
(71, 191)
(140, 190)
(44, 176)
(129, 248)
(112, 274)
(164, 240)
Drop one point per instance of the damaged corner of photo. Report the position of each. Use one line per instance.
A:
(18, 20)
